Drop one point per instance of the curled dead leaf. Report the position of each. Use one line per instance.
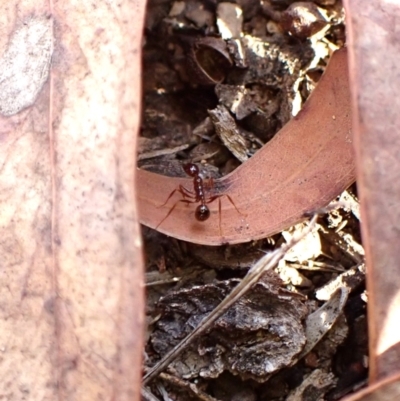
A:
(308, 163)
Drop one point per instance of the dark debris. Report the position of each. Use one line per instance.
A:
(259, 335)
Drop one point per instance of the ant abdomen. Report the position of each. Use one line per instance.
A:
(202, 213)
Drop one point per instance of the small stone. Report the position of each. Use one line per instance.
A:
(177, 8)
(229, 20)
(303, 20)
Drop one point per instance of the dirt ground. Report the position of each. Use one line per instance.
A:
(300, 332)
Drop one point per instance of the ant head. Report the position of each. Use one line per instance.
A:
(190, 169)
(202, 213)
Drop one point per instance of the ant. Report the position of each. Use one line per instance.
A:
(198, 194)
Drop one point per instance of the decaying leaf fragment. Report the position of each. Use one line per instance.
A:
(259, 335)
(322, 320)
(226, 129)
(316, 383)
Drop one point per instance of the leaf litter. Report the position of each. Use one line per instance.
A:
(264, 345)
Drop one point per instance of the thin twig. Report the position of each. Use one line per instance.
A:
(148, 395)
(162, 152)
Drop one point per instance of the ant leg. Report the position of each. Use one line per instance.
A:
(233, 203)
(209, 183)
(169, 197)
(212, 199)
(186, 193)
(172, 209)
(182, 190)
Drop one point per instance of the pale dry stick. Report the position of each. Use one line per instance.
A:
(265, 263)
(148, 395)
(162, 152)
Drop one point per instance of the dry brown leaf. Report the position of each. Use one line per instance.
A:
(71, 267)
(374, 71)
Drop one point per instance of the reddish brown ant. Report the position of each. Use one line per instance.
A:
(198, 194)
